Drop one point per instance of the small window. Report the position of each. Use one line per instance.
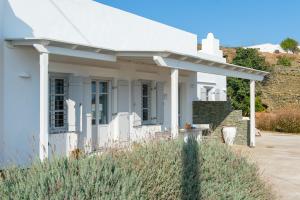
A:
(58, 109)
(146, 102)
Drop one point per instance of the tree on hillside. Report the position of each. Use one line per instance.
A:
(238, 89)
(289, 44)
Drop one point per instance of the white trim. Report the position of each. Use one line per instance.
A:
(81, 54)
(184, 65)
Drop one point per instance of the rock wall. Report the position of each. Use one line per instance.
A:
(219, 114)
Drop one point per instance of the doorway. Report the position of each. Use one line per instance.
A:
(100, 104)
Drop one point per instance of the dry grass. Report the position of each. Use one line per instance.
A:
(286, 119)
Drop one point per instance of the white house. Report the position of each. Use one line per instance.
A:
(80, 74)
(269, 48)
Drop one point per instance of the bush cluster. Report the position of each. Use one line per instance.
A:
(284, 61)
(286, 119)
(238, 90)
(159, 170)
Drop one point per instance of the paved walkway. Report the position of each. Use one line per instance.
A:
(278, 156)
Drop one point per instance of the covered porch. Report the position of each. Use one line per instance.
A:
(92, 97)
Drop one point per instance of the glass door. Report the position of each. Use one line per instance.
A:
(100, 111)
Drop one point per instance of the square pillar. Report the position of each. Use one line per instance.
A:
(44, 106)
(174, 103)
(252, 113)
(87, 115)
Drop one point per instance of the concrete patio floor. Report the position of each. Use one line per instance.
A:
(278, 157)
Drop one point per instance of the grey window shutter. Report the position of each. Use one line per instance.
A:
(153, 102)
(137, 102)
(160, 102)
(203, 94)
(123, 96)
(217, 95)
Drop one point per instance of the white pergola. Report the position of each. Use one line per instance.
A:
(174, 61)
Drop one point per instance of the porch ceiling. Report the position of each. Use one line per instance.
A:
(159, 58)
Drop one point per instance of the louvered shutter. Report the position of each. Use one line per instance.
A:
(160, 102)
(123, 96)
(153, 103)
(123, 111)
(137, 102)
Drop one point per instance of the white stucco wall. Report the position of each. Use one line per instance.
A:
(93, 23)
(21, 105)
(211, 50)
(214, 81)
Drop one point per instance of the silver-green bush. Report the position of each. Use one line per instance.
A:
(160, 170)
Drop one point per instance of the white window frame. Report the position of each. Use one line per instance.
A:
(149, 107)
(52, 110)
(97, 94)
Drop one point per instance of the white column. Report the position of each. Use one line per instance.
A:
(44, 105)
(87, 114)
(174, 103)
(252, 113)
(89, 141)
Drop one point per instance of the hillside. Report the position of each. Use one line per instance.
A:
(282, 87)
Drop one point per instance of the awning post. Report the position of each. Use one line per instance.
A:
(44, 106)
(252, 113)
(174, 103)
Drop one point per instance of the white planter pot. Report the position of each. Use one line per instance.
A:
(229, 133)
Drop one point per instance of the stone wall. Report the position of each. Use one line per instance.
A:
(219, 114)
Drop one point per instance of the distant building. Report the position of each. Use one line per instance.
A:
(268, 48)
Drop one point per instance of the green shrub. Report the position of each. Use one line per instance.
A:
(284, 61)
(238, 90)
(160, 170)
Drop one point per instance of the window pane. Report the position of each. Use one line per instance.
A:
(93, 109)
(103, 87)
(145, 102)
(145, 90)
(59, 86)
(103, 109)
(59, 102)
(145, 115)
(93, 86)
(59, 119)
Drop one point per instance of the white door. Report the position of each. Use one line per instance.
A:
(101, 112)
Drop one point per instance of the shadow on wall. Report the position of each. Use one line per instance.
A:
(17, 143)
(190, 170)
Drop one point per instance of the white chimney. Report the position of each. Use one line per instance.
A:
(211, 48)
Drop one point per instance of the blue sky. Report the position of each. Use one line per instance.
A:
(234, 22)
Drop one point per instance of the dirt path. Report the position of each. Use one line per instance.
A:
(278, 156)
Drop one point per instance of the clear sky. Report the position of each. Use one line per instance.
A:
(234, 22)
